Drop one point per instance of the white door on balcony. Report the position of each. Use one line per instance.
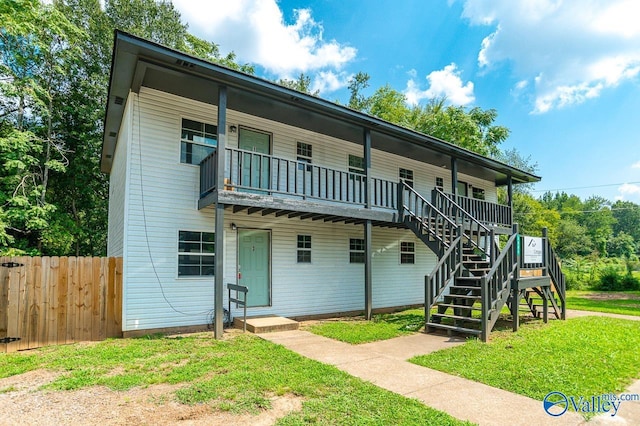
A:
(255, 170)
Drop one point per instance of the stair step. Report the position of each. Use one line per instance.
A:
(452, 305)
(457, 317)
(479, 271)
(464, 287)
(455, 328)
(472, 279)
(462, 296)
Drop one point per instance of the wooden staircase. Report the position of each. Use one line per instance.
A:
(474, 279)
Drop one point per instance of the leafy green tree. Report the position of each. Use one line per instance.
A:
(301, 84)
(356, 84)
(627, 215)
(37, 44)
(532, 216)
(572, 239)
(598, 219)
(472, 129)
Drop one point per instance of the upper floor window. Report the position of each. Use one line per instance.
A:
(196, 254)
(406, 175)
(356, 168)
(440, 183)
(356, 164)
(305, 152)
(197, 141)
(477, 193)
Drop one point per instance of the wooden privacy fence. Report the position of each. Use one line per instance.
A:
(58, 300)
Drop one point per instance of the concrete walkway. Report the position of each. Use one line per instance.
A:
(572, 313)
(385, 364)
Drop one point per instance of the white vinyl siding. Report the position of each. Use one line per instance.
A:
(118, 188)
(154, 295)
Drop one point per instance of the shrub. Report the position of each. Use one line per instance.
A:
(610, 279)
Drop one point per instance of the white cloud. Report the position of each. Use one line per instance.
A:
(443, 83)
(329, 81)
(257, 32)
(629, 190)
(570, 51)
(636, 165)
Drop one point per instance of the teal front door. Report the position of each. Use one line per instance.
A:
(254, 259)
(255, 169)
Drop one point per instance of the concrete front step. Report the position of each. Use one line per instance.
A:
(266, 324)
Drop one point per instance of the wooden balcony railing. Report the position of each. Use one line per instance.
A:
(252, 172)
(488, 213)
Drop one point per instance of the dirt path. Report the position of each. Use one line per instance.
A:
(22, 403)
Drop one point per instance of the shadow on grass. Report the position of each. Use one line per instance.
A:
(404, 321)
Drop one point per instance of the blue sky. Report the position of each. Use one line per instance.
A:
(564, 76)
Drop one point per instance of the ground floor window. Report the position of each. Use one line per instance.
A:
(356, 250)
(196, 254)
(407, 252)
(304, 248)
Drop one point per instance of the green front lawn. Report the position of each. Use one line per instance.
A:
(382, 327)
(238, 375)
(580, 357)
(625, 303)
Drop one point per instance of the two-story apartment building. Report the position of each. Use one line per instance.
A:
(220, 177)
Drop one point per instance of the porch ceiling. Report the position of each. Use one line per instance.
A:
(137, 62)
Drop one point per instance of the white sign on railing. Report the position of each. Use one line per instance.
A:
(532, 249)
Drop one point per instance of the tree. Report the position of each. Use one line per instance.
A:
(301, 84)
(598, 220)
(471, 129)
(627, 215)
(356, 84)
(390, 105)
(532, 216)
(38, 45)
(54, 70)
(572, 239)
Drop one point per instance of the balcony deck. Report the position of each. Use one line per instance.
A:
(271, 185)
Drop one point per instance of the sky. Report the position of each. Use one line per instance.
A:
(564, 76)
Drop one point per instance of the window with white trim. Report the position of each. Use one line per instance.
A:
(407, 252)
(406, 175)
(197, 140)
(196, 254)
(304, 248)
(477, 193)
(356, 250)
(440, 183)
(356, 168)
(305, 153)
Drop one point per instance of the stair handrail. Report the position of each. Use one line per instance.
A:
(557, 276)
(496, 284)
(431, 210)
(445, 270)
(485, 250)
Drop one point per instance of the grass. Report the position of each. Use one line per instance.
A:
(383, 326)
(580, 357)
(238, 375)
(625, 303)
